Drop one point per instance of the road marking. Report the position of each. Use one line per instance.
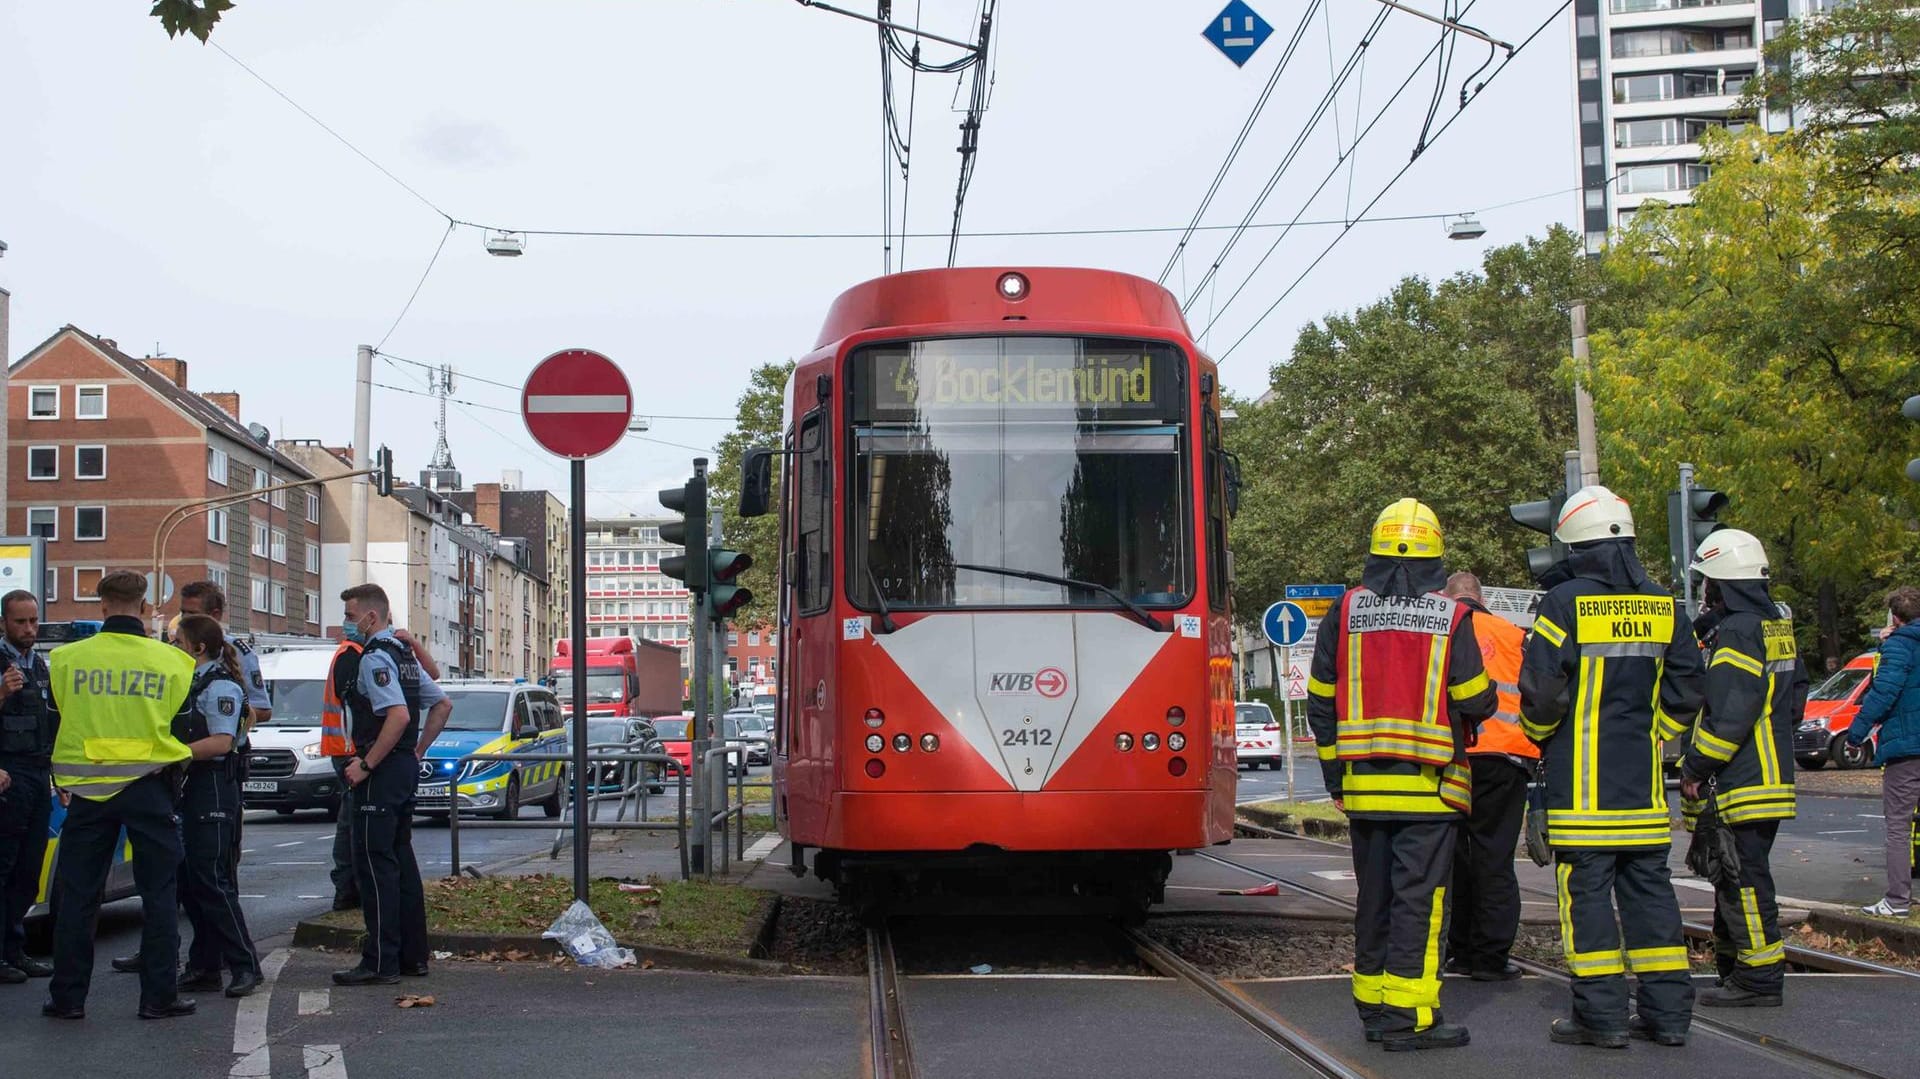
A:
(1334, 874)
(309, 897)
(763, 847)
(1870, 816)
(250, 1023)
(315, 1002)
(295, 843)
(325, 1061)
(297, 863)
(244, 895)
(1845, 831)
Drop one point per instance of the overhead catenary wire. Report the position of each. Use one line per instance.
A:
(467, 377)
(1404, 169)
(970, 127)
(418, 285)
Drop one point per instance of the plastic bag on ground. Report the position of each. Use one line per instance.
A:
(585, 940)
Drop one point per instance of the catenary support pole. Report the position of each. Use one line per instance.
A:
(1584, 431)
(362, 451)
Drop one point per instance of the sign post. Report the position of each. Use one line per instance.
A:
(577, 404)
(1285, 624)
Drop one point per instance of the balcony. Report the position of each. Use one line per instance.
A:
(1639, 14)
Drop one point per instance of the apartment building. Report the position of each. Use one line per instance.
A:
(537, 521)
(1653, 76)
(627, 595)
(399, 542)
(102, 445)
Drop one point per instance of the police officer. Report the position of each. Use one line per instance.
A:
(208, 724)
(1396, 689)
(28, 723)
(1486, 893)
(1741, 754)
(205, 597)
(114, 763)
(335, 744)
(384, 707)
(1609, 672)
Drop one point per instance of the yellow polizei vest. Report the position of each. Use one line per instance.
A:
(117, 694)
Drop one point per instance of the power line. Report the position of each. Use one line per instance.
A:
(516, 412)
(1233, 151)
(1404, 169)
(970, 127)
(418, 285)
(650, 415)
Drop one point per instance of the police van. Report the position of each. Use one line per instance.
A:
(286, 771)
(492, 716)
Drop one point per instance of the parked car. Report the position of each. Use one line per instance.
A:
(632, 734)
(1831, 706)
(495, 717)
(676, 736)
(1257, 735)
(285, 770)
(746, 723)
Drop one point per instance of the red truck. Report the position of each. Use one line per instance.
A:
(625, 677)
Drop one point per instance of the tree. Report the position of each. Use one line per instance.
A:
(194, 17)
(1764, 367)
(1453, 394)
(757, 422)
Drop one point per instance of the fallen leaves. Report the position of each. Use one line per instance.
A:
(414, 1000)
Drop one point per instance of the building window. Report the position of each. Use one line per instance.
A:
(1586, 26)
(218, 575)
(90, 462)
(43, 521)
(53, 584)
(43, 402)
(261, 540)
(89, 522)
(217, 526)
(313, 558)
(216, 464)
(313, 608)
(1589, 112)
(43, 462)
(278, 592)
(86, 583)
(279, 546)
(1596, 198)
(1591, 155)
(1596, 242)
(279, 500)
(733, 639)
(313, 506)
(260, 595)
(260, 482)
(753, 638)
(90, 402)
(1589, 68)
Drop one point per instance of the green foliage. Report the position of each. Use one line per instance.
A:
(194, 17)
(1452, 394)
(757, 422)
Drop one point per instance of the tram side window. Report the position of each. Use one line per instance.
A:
(1216, 513)
(816, 516)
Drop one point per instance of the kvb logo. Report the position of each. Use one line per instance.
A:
(1048, 682)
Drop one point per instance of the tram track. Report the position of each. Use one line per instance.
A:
(1801, 1059)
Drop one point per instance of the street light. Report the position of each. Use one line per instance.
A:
(506, 244)
(1465, 227)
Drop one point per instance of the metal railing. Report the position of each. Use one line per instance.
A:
(736, 810)
(677, 825)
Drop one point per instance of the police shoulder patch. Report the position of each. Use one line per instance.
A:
(382, 676)
(228, 706)
(257, 683)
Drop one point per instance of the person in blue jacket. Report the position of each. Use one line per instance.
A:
(1892, 704)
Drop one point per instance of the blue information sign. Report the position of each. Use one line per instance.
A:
(1316, 591)
(1285, 623)
(1237, 32)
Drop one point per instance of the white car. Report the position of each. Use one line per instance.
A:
(285, 771)
(1258, 736)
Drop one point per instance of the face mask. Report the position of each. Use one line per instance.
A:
(352, 632)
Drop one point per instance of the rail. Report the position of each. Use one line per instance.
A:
(678, 825)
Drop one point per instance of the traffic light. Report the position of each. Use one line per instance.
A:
(689, 532)
(724, 597)
(1690, 519)
(383, 471)
(1541, 517)
(1911, 410)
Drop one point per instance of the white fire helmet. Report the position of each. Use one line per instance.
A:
(1728, 554)
(1594, 513)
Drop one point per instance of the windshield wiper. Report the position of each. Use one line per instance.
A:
(880, 600)
(1069, 582)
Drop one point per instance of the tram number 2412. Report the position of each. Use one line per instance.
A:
(1020, 736)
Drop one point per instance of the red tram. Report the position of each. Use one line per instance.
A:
(1005, 653)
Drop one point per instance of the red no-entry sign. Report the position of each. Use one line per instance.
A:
(577, 403)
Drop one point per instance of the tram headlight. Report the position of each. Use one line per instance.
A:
(930, 742)
(1175, 717)
(902, 742)
(875, 743)
(1176, 741)
(1012, 286)
(1149, 741)
(1123, 741)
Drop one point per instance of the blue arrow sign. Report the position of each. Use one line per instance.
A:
(1237, 32)
(1285, 623)
(1316, 591)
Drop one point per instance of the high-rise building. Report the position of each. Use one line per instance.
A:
(1651, 77)
(627, 595)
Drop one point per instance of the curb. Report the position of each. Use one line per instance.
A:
(310, 934)
(769, 915)
(1901, 939)
(1815, 792)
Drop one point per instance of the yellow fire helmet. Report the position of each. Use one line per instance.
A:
(1407, 529)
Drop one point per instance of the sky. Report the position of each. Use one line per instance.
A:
(155, 192)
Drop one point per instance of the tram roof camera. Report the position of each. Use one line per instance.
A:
(506, 244)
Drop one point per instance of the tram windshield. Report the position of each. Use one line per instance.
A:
(1061, 457)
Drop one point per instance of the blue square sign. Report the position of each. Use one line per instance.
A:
(1238, 32)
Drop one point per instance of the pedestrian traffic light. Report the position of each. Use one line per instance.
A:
(1911, 410)
(383, 471)
(724, 567)
(690, 532)
(1541, 516)
(1690, 519)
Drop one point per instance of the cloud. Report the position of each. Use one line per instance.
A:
(448, 140)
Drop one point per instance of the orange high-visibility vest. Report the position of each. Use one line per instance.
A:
(1500, 644)
(334, 740)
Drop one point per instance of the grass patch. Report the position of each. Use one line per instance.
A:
(715, 919)
(1302, 810)
(759, 823)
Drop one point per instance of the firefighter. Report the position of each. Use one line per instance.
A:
(1486, 893)
(1743, 746)
(1610, 671)
(1396, 689)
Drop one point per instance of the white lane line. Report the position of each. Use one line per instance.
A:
(298, 863)
(246, 850)
(315, 1002)
(309, 897)
(765, 846)
(244, 895)
(295, 843)
(250, 1023)
(325, 1061)
(1845, 831)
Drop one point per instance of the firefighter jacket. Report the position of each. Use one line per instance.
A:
(1396, 689)
(117, 693)
(1609, 672)
(1500, 646)
(1756, 691)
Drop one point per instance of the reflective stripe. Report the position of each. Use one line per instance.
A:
(1762, 952)
(1561, 873)
(1354, 705)
(1508, 688)
(1735, 658)
(1553, 634)
(1409, 993)
(1653, 960)
(1761, 957)
(1425, 805)
(1781, 666)
(95, 789)
(1713, 745)
(1366, 987)
(1536, 731)
(1325, 753)
(1596, 964)
(119, 770)
(1472, 686)
(1318, 688)
(1626, 649)
(1436, 678)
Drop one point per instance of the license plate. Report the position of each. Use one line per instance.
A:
(432, 790)
(259, 786)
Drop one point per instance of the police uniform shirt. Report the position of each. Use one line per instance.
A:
(380, 680)
(33, 667)
(256, 686)
(220, 704)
